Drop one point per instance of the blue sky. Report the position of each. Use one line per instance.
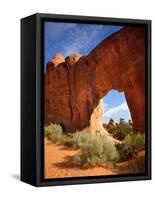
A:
(115, 106)
(69, 38)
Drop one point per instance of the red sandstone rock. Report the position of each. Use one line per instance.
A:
(57, 59)
(75, 85)
(130, 122)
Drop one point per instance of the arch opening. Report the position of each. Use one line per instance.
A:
(112, 110)
(116, 108)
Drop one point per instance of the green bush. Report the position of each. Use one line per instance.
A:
(137, 140)
(119, 132)
(131, 145)
(81, 137)
(68, 140)
(95, 150)
(54, 133)
(125, 151)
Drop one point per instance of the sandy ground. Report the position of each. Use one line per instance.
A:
(59, 164)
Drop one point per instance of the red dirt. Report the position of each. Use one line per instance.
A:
(59, 164)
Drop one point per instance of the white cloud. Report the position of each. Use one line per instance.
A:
(105, 106)
(78, 39)
(117, 109)
(70, 38)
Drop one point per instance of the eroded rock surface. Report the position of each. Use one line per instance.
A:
(75, 85)
(96, 123)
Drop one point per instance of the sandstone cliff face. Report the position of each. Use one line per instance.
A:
(75, 85)
(96, 124)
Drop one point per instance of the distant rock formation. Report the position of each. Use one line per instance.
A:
(122, 121)
(111, 123)
(75, 85)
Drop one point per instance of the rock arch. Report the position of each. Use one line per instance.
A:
(74, 85)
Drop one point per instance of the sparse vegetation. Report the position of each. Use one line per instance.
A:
(81, 137)
(94, 149)
(98, 149)
(120, 131)
(54, 133)
(132, 143)
(137, 140)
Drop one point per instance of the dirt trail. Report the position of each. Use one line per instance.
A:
(59, 164)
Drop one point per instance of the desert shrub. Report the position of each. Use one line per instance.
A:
(120, 131)
(125, 130)
(81, 137)
(68, 140)
(54, 133)
(95, 150)
(130, 146)
(137, 140)
(125, 151)
(75, 140)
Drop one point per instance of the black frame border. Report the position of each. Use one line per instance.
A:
(40, 18)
